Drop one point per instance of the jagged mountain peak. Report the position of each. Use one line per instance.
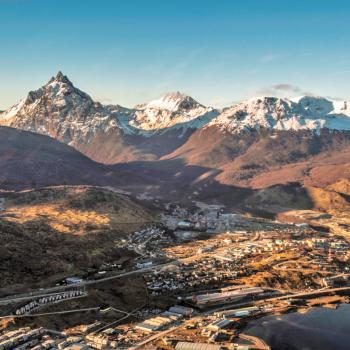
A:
(62, 111)
(60, 85)
(60, 78)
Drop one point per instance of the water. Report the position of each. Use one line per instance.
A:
(318, 329)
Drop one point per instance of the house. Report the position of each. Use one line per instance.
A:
(141, 264)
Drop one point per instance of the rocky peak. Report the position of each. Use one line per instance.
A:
(60, 78)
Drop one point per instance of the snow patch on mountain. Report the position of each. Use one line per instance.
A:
(62, 111)
(173, 110)
(303, 113)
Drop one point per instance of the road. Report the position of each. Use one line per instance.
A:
(109, 325)
(259, 344)
(46, 291)
(280, 267)
(316, 292)
(142, 344)
(116, 310)
(52, 313)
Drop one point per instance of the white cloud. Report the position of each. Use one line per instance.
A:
(281, 90)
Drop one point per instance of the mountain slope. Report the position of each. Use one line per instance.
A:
(53, 222)
(28, 159)
(261, 159)
(112, 133)
(256, 143)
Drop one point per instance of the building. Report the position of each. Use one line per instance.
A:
(183, 345)
(336, 281)
(78, 347)
(247, 311)
(203, 300)
(142, 264)
(184, 225)
(74, 280)
(154, 323)
(219, 324)
(182, 310)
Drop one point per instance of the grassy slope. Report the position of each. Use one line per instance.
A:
(61, 230)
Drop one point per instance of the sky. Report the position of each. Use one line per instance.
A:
(219, 52)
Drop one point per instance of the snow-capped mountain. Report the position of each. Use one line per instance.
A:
(173, 126)
(60, 110)
(172, 110)
(271, 113)
(107, 133)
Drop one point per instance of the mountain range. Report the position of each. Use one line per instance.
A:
(176, 142)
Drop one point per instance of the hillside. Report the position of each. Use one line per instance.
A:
(70, 228)
(30, 160)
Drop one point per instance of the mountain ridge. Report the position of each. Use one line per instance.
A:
(172, 110)
(239, 144)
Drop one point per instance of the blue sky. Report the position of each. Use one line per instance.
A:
(219, 52)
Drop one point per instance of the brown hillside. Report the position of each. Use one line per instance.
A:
(69, 228)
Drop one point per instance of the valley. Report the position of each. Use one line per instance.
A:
(184, 256)
(170, 223)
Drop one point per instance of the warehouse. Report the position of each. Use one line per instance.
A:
(219, 324)
(182, 310)
(182, 345)
(184, 225)
(247, 311)
(74, 280)
(154, 324)
(142, 264)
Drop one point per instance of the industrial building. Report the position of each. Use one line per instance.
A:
(182, 345)
(203, 300)
(247, 311)
(154, 323)
(74, 280)
(141, 264)
(182, 310)
(219, 324)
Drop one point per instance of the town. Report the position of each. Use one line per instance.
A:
(205, 275)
